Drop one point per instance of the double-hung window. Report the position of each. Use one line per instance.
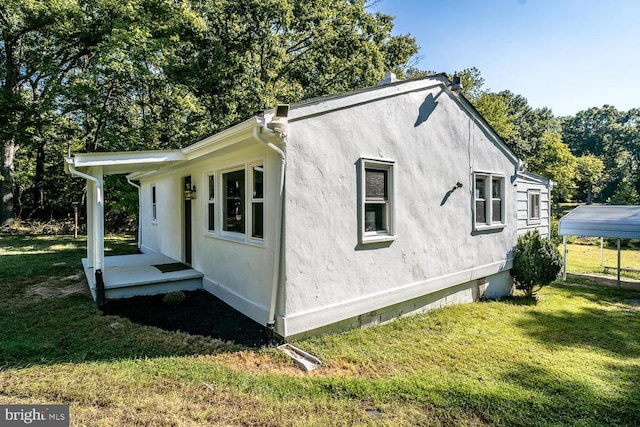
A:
(241, 194)
(257, 201)
(534, 206)
(489, 202)
(233, 187)
(211, 203)
(154, 206)
(376, 193)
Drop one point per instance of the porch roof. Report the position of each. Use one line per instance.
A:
(124, 162)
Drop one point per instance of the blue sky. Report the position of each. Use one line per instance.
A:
(568, 55)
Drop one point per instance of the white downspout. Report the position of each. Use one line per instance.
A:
(98, 232)
(99, 224)
(278, 241)
(139, 211)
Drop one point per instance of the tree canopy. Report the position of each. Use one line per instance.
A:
(110, 75)
(105, 75)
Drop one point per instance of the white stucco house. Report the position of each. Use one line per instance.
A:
(334, 212)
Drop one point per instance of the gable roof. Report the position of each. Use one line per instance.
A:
(332, 103)
(602, 221)
(139, 163)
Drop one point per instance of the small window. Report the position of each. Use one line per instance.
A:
(481, 202)
(376, 194)
(534, 206)
(257, 201)
(233, 186)
(496, 199)
(211, 203)
(154, 208)
(489, 203)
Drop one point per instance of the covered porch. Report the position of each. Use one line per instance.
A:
(126, 275)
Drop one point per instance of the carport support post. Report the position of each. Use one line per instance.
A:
(618, 263)
(564, 258)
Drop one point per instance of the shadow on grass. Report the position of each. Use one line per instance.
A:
(522, 300)
(613, 326)
(72, 329)
(565, 400)
(60, 323)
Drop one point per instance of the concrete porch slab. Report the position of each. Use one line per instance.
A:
(132, 275)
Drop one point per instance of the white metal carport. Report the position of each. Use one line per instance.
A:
(621, 222)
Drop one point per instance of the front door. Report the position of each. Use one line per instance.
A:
(187, 219)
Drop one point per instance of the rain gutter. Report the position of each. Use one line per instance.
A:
(98, 244)
(257, 134)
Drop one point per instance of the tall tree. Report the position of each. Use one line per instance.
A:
(556, 161)
(138, 74)
(589, 176)
(611, 135)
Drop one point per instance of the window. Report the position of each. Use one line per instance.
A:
(154, 208)
(489, 203)
(496, 199)
(211, 203)
(240, 201)
(534, 206)
(376, 195)
(257, 201)
(233, 187)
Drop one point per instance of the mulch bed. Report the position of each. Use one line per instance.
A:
(200, 314)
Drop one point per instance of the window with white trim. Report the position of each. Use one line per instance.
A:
(211, 203)
(376, 194)
(489, 202)
(257, 201)
(240, 203)
(233, 188)
(154, 206)
(534, 206)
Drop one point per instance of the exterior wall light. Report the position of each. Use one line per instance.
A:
(189, 191)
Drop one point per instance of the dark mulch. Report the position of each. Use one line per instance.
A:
(200, 314)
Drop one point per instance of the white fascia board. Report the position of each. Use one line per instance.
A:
(535, 178)
(223, 139)
(318, 106)
(486, 128)
(125, 161)
(80, 160)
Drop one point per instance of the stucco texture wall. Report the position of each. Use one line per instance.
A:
(434, 145)
(236, 269)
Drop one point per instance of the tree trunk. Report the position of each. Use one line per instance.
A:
(6, 182)
(589, 197)
(38, 187)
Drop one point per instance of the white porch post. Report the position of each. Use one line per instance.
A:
(99, 220)
(564, 267)
(90, 225)
(618, 263)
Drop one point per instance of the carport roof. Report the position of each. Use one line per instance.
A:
(602, 221)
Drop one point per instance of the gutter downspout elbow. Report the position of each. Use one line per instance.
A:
(279, 227)
(99, 234)
(139, 233)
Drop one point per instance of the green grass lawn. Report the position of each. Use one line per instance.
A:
(584, 257)
(571, 357)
